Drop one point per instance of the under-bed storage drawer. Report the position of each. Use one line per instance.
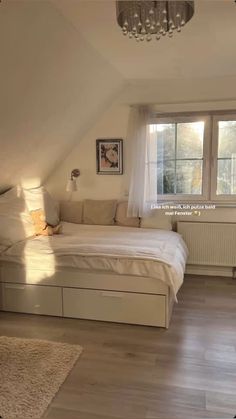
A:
(134, 308)
(36, 299)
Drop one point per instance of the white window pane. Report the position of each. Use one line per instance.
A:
(227, 138)
(190, 138)
(166, 178)
(165, 141)
(177, 151)
(189, 177)
(152, 144)
(226, 176)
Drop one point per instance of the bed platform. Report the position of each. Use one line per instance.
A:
(96, 296)
(108, 273)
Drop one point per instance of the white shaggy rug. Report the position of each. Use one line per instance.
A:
(31, 373)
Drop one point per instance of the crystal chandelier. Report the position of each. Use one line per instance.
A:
(147, 19)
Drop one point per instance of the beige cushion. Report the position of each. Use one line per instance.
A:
(121, 216)
(157, 219)
(71, 211)
(99, 212)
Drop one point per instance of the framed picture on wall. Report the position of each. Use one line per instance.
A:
(109, 154)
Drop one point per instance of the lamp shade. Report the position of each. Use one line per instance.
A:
(71, 185)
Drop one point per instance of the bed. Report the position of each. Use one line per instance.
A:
(110, 273)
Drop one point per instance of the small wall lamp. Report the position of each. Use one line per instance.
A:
(71, 184)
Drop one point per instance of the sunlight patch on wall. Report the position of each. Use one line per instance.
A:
(32, 182)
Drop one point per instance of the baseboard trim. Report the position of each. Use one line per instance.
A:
(209, 270)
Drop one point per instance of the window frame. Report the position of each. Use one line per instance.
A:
(214, 158)
(206, 181)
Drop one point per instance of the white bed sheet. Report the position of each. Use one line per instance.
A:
(123, 250)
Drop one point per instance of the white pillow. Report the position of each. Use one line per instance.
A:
(39, 198)
(15, 220)
(157, 219)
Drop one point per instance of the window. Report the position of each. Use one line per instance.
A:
(194, 158)
(224, 158)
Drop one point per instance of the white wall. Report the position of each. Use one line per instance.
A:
(204, 95)
(53, 84)
(113, 124)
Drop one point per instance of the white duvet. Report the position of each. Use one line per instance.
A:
(124, 250)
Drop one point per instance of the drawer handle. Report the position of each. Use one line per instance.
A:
(14, 286)
(111, 294)
(37, 306)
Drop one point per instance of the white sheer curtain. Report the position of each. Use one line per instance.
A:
(143, 176)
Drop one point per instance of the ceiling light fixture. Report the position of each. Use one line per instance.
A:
(147, 19)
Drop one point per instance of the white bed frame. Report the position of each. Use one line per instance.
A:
(85, 295)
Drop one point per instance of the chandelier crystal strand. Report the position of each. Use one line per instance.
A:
(153, 19)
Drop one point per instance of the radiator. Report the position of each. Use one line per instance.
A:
(212, 244)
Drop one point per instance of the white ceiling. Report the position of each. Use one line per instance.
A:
(205, 48)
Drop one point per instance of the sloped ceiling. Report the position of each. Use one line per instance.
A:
(53, 87)
(64, 61)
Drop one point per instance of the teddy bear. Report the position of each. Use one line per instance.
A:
(42, 228)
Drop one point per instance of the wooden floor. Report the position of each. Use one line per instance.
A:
(135, 372)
